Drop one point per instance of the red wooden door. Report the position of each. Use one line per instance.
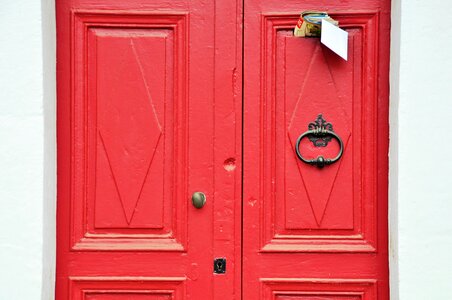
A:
(143, 89)
(150, 111)
(308, 232)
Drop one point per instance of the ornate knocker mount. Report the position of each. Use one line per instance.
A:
(320, 133)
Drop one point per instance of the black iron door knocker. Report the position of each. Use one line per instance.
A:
(320, 133)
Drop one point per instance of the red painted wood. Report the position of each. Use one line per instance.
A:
(149, 111)
(312, 233)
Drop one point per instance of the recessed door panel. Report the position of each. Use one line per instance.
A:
(320, 289)
(126, 132)
(308, 86)
(115, 288)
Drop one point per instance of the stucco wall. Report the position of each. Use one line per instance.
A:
(420, 185)
(27, 166)
(421, 149)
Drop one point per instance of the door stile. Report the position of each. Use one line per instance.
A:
(227, 227)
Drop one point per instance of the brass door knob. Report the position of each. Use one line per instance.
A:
(198, 199)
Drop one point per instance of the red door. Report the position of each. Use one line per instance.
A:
(310, 232)
(150, 112)
(143, 89)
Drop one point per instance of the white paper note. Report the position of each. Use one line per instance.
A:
(334, 38)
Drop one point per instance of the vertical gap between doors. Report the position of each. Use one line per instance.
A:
(242, 143)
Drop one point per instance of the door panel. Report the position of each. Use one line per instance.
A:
(126, 288)
(308, 232)
(312, 209)
(142, 95)
(319, 289)
(129, 132)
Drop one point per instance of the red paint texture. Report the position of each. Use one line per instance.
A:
(150, 111)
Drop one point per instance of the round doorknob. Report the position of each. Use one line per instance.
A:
(198, 199)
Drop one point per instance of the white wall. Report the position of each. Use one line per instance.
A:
(27, 165)
(421, 150)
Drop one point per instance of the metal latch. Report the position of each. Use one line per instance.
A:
(219, 265)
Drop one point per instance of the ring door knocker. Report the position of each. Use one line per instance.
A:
(320, 132)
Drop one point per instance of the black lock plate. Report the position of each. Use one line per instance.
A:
(219, 265)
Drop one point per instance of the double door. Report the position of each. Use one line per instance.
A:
(179, 124)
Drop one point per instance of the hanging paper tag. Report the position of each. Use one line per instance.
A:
(334, 38)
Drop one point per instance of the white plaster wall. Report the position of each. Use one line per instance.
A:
(27, 155)
(421, 150)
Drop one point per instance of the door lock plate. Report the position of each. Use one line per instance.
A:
(219, 266)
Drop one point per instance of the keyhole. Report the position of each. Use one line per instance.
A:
(219, 266)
